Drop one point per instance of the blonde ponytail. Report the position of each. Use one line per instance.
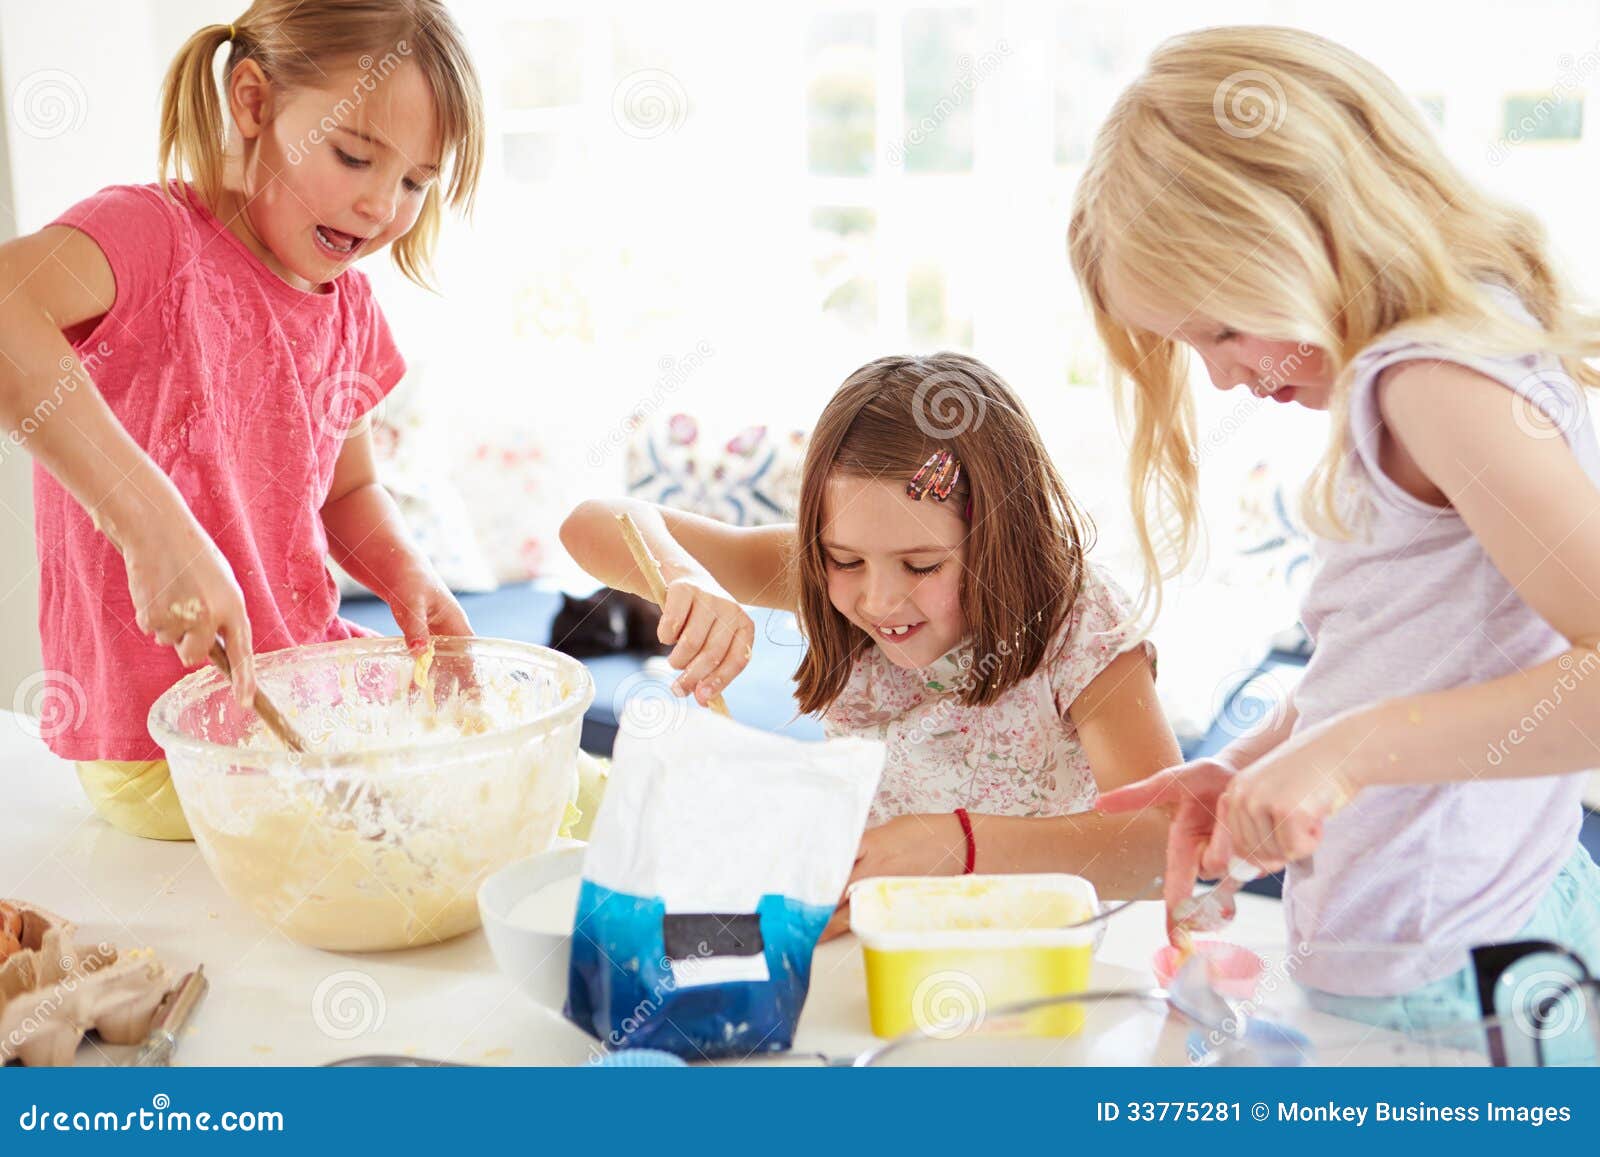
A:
(192, 125)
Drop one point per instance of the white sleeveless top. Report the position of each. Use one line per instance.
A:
(1413, 604)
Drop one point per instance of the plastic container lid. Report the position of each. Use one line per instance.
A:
(900, 913)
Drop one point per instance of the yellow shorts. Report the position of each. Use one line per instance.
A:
(137, 798)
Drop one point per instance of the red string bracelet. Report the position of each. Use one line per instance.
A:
(972, 844)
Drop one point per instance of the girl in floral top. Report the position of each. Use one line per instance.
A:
(937, 568)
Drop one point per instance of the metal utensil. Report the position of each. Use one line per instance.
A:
(1215, 909)
(174, 1013)
(1089, 1000)
(1111, 910)
(263, 706)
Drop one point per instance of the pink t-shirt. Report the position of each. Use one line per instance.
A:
(241, 388)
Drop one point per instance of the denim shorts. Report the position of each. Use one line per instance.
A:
(1569, 915)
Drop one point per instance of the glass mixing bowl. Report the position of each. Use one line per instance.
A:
(415, 786)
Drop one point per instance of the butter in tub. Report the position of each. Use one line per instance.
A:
(943, 954)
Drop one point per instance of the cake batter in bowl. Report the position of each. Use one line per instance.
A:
(417, 785)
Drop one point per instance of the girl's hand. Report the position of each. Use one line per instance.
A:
(1198, 847)
(185, 596)
(712, 632)
(424, 607)
(1274, 810)
(912, 845)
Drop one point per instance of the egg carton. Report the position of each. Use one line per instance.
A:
(52, 992)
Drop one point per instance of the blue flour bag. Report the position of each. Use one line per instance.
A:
(718, 855)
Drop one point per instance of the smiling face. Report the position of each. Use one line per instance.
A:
(1285, 371)
(894, 566)
(330, 173)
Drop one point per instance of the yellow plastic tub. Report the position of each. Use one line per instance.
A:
(942, 952)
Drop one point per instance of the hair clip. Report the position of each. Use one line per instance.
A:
(937, 476)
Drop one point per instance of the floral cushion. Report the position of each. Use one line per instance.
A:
(504, 475)
(1272, 550)
(752, 479)
(413, 457)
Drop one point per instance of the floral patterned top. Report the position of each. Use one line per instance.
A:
(1021, 755)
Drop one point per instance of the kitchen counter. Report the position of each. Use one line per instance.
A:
(274, 1002)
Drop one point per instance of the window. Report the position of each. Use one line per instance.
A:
(940, 66)
(1544, 116)
(892, 101)
(796, 189)
(841, 95)
(810, 186)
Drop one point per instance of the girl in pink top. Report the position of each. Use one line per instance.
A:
(192, 362)
(1270, 202)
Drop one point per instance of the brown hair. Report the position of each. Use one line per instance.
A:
(296, 43)
(1025, 542)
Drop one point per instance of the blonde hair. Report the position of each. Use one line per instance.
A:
(1281, 185)
(297, 43)
(1025, 541)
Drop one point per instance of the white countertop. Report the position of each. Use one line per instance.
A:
(274, 1002)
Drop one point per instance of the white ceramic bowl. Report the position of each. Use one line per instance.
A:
(528, 920)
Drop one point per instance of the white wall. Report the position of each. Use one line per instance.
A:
(19, 586)
(78, 80)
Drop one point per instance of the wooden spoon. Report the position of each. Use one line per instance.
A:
(270, 715)
(651, 569)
